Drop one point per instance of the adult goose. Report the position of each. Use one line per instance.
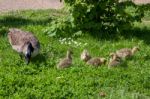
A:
(25, 43)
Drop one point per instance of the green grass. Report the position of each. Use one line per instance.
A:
(41, 79)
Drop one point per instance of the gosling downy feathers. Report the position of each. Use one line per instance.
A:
(127, 52)
(85, 56)
(67, 61)
(114, 60)
(96, 61)
(25, 43)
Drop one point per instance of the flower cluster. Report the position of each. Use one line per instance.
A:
(70, 41)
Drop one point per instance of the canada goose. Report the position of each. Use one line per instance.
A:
(25, 43)
(127, 52)
(96, 61)
(67, 61)
(85, 56)
(114, 60)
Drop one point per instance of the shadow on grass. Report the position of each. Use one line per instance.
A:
(146, 57)
(140, 33)
(3, 31)
(145, 7)
(41, 58)
(12, 21)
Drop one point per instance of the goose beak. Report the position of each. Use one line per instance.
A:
(27, 58)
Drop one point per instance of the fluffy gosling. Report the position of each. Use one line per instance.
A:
(114, 60)
(96, 61)
(85, 56)
(127, 52)
(65, 62)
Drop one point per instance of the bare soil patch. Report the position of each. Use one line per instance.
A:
(11, 5)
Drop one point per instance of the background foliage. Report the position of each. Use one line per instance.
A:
(98, 17)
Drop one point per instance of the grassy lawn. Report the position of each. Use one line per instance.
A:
(41, 79)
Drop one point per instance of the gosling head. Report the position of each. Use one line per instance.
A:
(85, 51)
(28, 50)
(69, 53)
(85, 55)
(135, 49)
(113, 55)
(103, 60)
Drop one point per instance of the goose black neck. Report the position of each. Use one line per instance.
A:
(29, 52)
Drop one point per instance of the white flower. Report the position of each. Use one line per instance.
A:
(75, 42)
(69, 38)
(65, 42)
(72, 40)
(64, 39)
(69, 42)
(85, 44)
(61, 43)
(59, 40)
(79, 43)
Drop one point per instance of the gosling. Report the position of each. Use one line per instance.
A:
(66, 62)
(127, 52)
(85, 56)
(25, 43)
(97, 61)
(114, 60)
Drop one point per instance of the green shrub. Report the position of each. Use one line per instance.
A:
(98, 16)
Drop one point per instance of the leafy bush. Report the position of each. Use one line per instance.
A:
(99, 16)
(59, 27)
